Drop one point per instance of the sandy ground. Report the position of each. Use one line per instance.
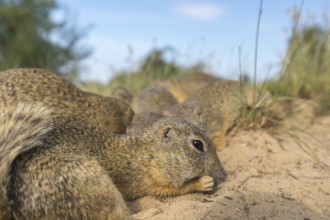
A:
(268, 177)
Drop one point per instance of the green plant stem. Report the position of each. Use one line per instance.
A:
(294, 31)
(256, 51)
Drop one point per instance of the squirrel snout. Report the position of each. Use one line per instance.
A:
(215, 169)
(212, 164)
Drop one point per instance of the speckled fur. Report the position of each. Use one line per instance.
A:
(153, 99)
(60, 168)
(149, 105)
(36, 85)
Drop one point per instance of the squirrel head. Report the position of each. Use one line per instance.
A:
(179, 151)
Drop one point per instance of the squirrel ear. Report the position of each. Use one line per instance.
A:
(168, 133)
(198, 116)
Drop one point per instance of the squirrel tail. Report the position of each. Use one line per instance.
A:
(22, 128)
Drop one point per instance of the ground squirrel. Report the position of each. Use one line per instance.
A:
(218, 105)
(149, 105)
(55, 167)
(36, 85)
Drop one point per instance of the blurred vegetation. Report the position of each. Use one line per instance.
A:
(30, 37)
(305, 71)
(153, 67)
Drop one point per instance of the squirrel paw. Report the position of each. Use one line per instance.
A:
(205, 183)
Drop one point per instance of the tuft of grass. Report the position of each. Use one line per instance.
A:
(262, 113)
(275, 101)
(304, 74)
(305, 71)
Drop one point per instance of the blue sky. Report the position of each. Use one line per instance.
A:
(123, 32)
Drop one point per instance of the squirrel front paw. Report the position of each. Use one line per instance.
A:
(205, 184)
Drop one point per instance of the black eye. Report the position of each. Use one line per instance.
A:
(198, 145)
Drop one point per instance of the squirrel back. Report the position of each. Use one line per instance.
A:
(41, 86)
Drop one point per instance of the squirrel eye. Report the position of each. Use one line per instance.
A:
(198, 145)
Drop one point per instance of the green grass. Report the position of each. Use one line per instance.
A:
(306, 71)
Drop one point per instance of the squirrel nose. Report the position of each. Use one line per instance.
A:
(212, 164)
(216, 162)
(218, 172)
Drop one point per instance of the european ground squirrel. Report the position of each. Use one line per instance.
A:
(55, 167)
(218, 105)
(149, 105)
(36, 85)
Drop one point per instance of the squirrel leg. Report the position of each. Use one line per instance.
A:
(200, 184)
(66, 187)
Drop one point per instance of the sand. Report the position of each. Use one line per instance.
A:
(270, 175)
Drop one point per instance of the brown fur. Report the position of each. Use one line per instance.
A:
(149, 105)
(60, 168)
(36, 85)
(153, 99)
(183, 87)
